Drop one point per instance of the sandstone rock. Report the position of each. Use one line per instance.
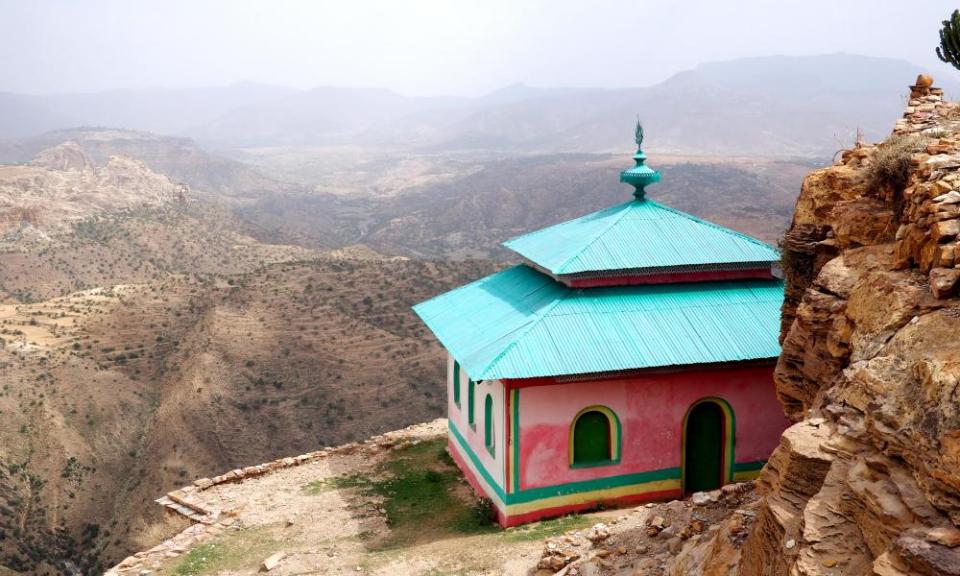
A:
(868, 347)
(945, 536)
(946, 257)
(203, 483)
(700, 499)
(927, 558)
(945, 230)
(943, 281)
(951, 197)
(272, 561)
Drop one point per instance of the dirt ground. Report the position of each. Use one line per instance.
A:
(320, 519)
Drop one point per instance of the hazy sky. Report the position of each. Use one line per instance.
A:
(434, 46)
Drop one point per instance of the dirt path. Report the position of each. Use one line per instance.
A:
(400, 510)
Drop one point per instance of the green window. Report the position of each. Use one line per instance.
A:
(471, 418)
(595, 438)
(488, 423)
(456, 383)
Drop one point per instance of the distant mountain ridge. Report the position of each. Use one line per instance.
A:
(177, 157)
(773, 106)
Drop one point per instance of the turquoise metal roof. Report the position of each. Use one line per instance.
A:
(520, 323)
(640, 234)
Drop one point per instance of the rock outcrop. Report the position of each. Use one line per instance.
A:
(868, 479)
(62, 186)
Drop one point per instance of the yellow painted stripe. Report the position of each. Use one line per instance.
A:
(592, 496)
(745, 475)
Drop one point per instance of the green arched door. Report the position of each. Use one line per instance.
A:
(703, 457)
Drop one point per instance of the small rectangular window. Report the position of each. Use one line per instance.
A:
(456, 383)
(471, 392)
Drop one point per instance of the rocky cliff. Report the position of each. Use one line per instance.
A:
(868, 479)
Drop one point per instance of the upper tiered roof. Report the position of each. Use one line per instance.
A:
(635, 286)
(640, 237)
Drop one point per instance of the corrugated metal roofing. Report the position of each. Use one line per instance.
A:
(636, 235)
(520, 323)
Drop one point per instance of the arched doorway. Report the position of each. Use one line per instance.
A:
(707, 445)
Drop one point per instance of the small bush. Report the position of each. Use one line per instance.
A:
(484, 512)
(889, 168)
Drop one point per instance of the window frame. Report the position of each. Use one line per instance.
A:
(614, 430)
(471, 403)
(456, 383)
(489, 432)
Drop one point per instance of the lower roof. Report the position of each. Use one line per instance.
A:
(521, 323)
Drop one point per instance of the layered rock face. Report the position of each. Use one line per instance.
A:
(62, 186)
(868, 479)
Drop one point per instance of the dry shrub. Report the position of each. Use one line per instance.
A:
(889, 168)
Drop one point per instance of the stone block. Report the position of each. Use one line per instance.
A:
(945, 536)
(943, 281)
(945, 230)
(947, 256)
(271, 562)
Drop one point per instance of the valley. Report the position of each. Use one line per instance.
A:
(155, 330)
(112, 394)
(172, 308)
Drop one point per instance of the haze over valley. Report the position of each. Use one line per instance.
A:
(210, 293)
(194, 279)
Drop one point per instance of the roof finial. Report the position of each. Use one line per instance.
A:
(640, 175)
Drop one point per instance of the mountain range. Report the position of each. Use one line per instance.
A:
(770, 106)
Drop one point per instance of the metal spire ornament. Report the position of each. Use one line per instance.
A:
(640, 176)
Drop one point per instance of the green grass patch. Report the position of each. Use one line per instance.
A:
(547, 528)
(424, 499)
(422, 495)
(200, 560)
(337, 483)
(231, 551)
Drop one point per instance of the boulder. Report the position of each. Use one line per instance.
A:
(943, 281)
(272, 561)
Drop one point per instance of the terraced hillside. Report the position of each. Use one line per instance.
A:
(113, 396)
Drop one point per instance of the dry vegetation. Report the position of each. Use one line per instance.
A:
(142, 346)
(113, 396)
(469, 215)
(135, 246)
(889, 167)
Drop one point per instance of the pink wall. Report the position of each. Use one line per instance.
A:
(651, 409)
(495, 463)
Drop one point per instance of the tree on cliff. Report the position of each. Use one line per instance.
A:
(949, 49)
